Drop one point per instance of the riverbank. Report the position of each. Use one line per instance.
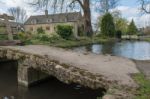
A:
(70, 43)
(143, 79)
(57, 41)
(147, 39)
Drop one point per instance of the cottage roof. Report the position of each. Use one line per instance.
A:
(12, 24)
(54, 18)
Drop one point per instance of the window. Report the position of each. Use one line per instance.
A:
(49, 20)
(31, 28)
(47, 28)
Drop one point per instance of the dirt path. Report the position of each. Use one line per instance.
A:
(112, 67)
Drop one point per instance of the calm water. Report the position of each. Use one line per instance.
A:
(138, 50)
(50, 89)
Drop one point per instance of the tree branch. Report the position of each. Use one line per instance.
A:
(143, 6)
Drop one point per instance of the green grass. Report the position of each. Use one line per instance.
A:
(147, 39)
(55, 40)
(3, 37)
(144, 91)
(81, 42)
(69, 43)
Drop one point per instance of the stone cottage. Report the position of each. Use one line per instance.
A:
(49, 21)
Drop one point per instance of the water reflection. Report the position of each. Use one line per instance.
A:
(51, 89)
(139, 50)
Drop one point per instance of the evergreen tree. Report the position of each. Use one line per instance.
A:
(107, 25)
(132, 29)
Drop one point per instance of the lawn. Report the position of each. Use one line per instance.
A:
(144, 90)
(147, 39)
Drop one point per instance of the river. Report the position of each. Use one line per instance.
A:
(50, 89)
(138, 50)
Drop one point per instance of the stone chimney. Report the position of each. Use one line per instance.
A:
(46, 12)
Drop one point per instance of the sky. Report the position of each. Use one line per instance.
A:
(129, 10)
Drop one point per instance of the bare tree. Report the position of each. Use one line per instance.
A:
(18, 13)
(104, 6)
(85, 5)
(145, 6)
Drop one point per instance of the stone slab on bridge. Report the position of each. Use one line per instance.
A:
(94, 71)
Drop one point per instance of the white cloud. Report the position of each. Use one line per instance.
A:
(141, 21)
(128, 11)
(134, 13)
(15, 3)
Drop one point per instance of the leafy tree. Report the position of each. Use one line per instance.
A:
(132, 29)
(116, 15)
(121, 24)
(107, 25)
(65, 31)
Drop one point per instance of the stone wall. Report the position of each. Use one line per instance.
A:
(51, 27)
(28, 76)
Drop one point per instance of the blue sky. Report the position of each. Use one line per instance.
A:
(129, 9)
(131, 3)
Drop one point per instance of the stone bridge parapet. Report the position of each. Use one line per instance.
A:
(63, 72)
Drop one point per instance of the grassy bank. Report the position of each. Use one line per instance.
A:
(70, 43)
(147, 39)
(55, 40)
(144, 90)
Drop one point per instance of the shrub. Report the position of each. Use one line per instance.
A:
(47, 38)
(24, 36)
(107, 25)
(2, 30)
(65, 31)
(3, 37)
(44, 38)
(40, 30)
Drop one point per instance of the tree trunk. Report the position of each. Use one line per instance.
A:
(87, 18)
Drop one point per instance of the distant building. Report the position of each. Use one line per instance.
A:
(15, 27)
(49, 22)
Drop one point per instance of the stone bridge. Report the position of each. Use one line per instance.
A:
(93, 71)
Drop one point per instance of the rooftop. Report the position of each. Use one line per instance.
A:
(54, 18)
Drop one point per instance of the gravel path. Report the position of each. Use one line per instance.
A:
(112, 67)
